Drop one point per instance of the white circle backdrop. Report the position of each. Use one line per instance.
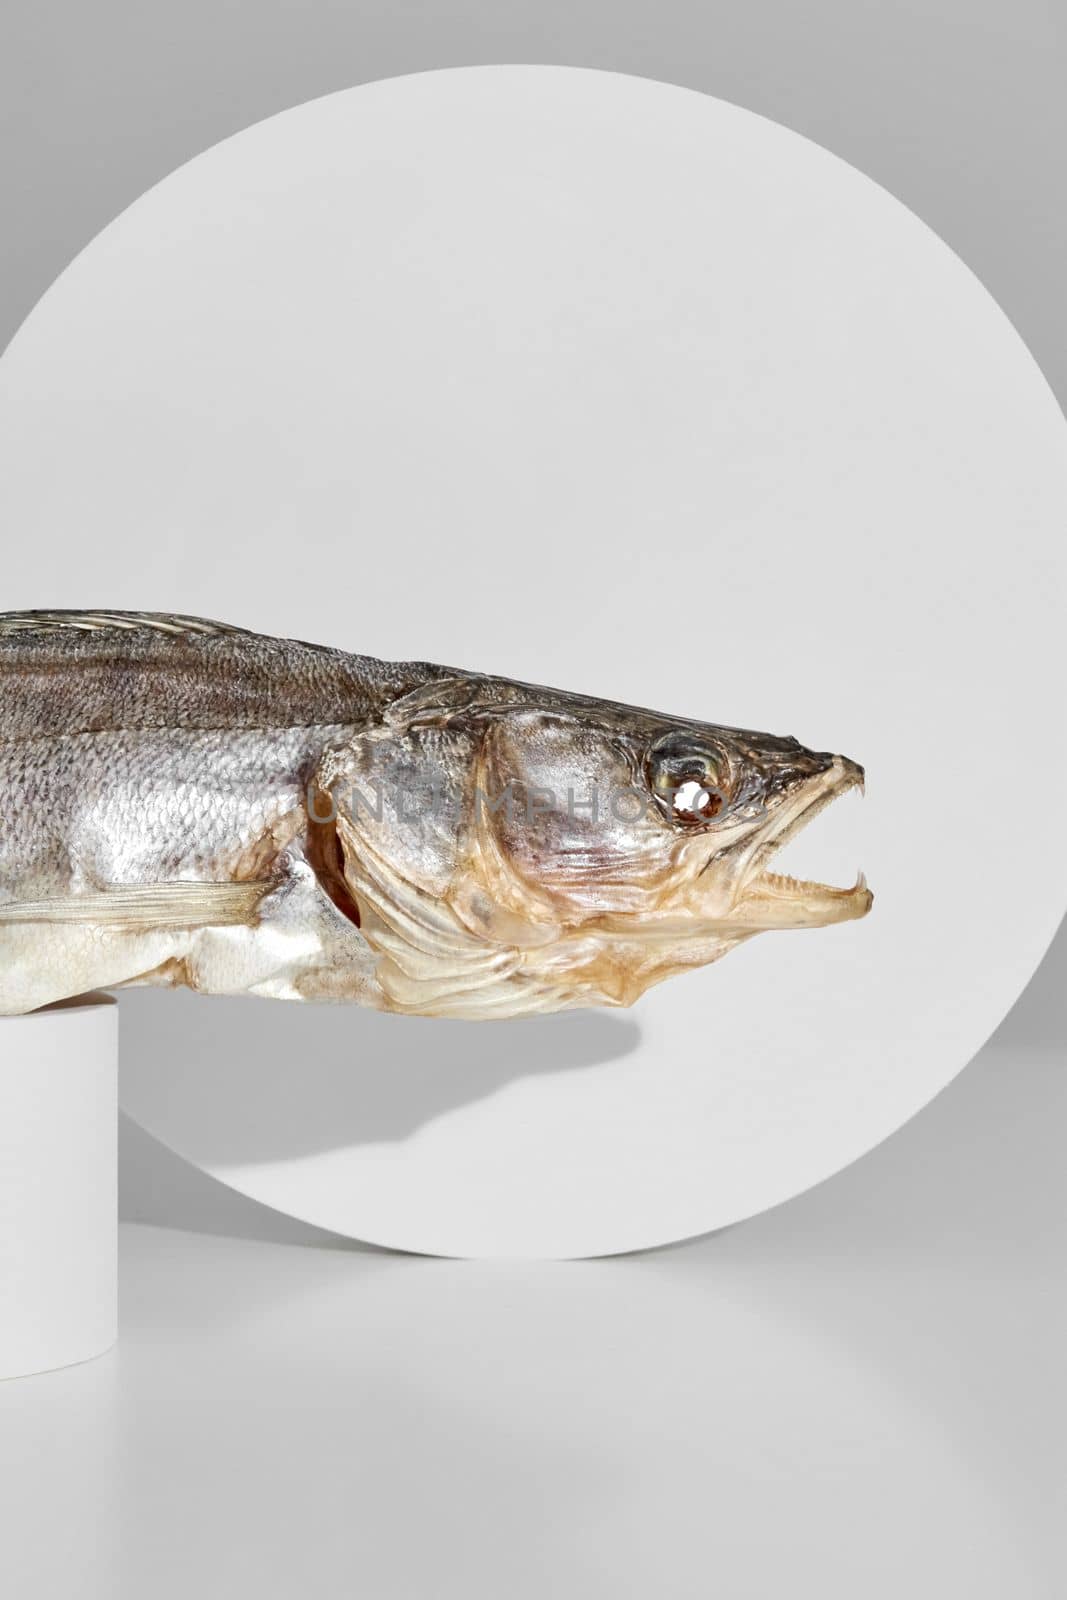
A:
(598, 382)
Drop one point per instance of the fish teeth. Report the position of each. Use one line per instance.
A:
(782, 880)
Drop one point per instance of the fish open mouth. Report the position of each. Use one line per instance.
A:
(775, 900)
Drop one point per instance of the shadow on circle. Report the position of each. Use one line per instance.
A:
(231, 1081)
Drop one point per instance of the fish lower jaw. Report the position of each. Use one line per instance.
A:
(775, 900)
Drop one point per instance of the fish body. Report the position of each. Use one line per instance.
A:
(183, 802)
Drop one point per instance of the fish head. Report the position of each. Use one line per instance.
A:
(626, 816)
(589, 849)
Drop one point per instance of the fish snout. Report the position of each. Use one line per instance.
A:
(848, 775)
(856, 775)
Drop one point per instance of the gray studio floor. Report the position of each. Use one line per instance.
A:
(858, 1394)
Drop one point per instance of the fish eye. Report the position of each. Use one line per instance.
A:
(692, 802)
(689, 785)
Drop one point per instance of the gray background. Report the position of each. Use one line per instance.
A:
(936, 1260)
(957, 108)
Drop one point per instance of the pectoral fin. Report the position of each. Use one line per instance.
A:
(147, 905)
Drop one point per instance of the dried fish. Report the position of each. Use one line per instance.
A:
(183, 802)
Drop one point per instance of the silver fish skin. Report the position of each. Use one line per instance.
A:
(187, 803)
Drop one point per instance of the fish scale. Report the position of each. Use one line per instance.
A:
(144, 806)
(60, 675)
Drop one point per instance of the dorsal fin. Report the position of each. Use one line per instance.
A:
(96, 621)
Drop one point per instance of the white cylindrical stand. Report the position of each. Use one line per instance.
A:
(58, 1185)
